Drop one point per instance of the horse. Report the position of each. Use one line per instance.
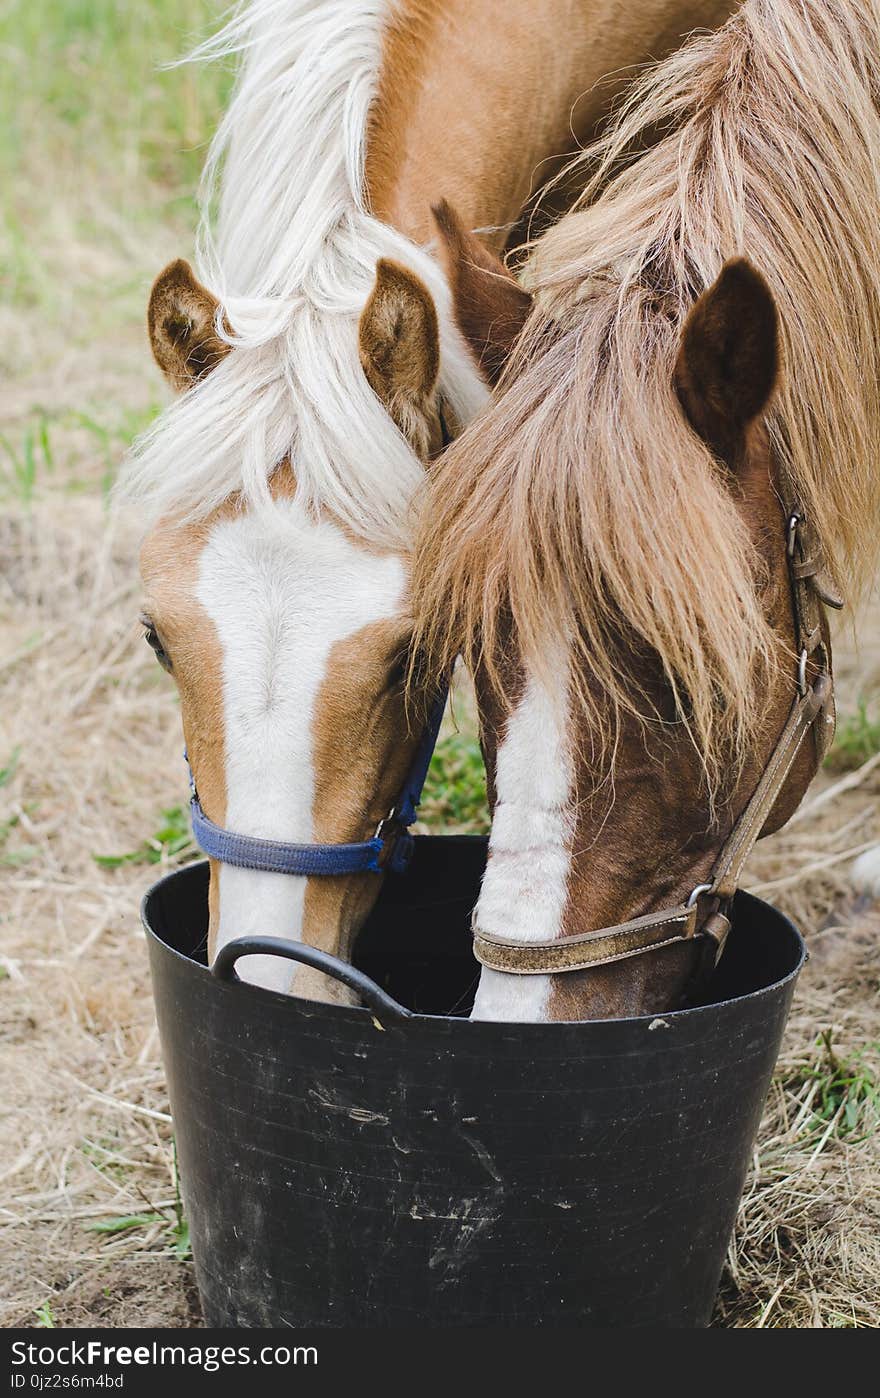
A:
(635, 545)
(320, 370)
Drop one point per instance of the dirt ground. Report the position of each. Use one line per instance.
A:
(90, 766)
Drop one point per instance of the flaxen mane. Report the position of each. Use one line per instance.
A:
(582, 505)
(292, 257)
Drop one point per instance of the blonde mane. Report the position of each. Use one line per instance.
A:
(292, 257)
(581, 504)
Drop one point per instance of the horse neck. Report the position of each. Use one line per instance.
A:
(476, 99)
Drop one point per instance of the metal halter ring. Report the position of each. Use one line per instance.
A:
(700, 889)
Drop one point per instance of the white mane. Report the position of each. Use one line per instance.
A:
(293, 259)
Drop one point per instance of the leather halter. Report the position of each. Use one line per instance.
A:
(704, 912)
(390, 847)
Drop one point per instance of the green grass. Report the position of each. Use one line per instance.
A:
(8, 772)
(23, 854)
(27, 461)
(97, 135)
(19, 461)
(176, 1224)
(45, 1317)
(847, 1091)
(857, 739)
(455, 792)
(124, 1223)
(171, 839)
(102, 1156)
(85, 77)
(176, 1232)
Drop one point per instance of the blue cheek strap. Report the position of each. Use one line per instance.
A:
(389, 849)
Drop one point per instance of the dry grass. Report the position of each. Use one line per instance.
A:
(85, 1135)
(807, 1246)
(90, 759)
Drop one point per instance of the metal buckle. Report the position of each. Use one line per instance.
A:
(795, 521)
(389, 831)
(379, 832)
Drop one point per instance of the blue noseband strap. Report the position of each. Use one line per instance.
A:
(390, 848)
(273, 857)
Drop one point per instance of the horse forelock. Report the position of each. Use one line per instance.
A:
(582, 504)
(292, 258)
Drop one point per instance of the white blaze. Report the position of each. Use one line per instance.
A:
(525, 885)
(282, 591)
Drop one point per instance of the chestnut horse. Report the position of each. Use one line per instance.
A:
(632, 547)
(320, 368)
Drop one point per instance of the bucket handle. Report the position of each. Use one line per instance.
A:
(382, 1005)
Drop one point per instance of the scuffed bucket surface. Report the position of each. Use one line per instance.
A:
(442, 1172)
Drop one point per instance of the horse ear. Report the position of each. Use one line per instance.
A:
(182, 321)
(399, 344)
(728, 360)
(490, 306)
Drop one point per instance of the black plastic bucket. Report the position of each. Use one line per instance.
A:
(349, 1167)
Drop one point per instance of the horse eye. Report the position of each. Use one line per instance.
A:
(151, 636)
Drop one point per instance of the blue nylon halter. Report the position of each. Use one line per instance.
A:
(390, 848)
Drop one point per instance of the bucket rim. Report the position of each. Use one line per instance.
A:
(363, 1014)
